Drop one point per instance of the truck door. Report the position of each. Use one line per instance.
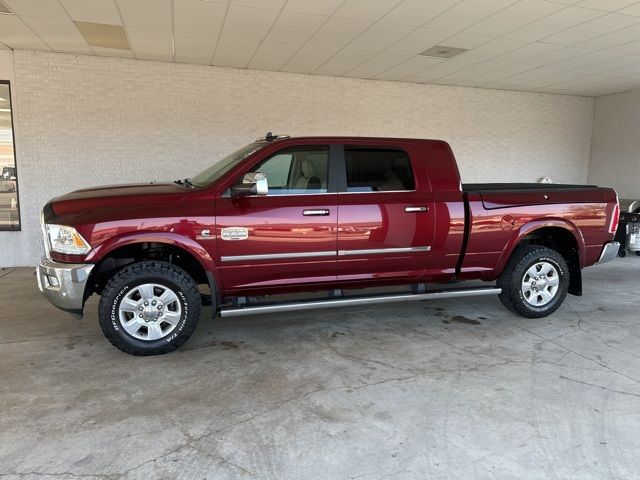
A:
(287, 237)
(385, 215)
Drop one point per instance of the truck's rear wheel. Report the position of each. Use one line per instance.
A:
(535, 281)
(149, 308)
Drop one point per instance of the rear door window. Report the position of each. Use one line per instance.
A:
(378, 170)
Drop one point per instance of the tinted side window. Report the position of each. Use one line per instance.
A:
(378, 170)
(302, 170)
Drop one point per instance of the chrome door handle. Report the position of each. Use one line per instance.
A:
(320, 212)
(416, 209)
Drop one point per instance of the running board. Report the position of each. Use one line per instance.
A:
(365, 300)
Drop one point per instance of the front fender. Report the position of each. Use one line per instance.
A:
(174, 239)
(531, 227)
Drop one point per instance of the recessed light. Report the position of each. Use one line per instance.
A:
(5, 10)
(441, 51)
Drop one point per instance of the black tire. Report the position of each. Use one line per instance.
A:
(622, 252)
(165, 275)
(638, 253)
(514, 273)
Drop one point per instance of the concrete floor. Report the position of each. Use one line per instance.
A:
(441, 389)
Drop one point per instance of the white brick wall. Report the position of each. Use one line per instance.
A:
(615, 150)
(86, 121)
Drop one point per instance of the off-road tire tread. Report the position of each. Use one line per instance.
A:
(133, 272)
(510, 281)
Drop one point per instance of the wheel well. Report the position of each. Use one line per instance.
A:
(128, 254)
(562, 241)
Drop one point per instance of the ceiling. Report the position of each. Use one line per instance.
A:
(582, 47)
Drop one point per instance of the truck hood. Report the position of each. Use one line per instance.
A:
(119, 196)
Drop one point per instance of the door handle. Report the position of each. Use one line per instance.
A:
(319, 212)
(416, 209)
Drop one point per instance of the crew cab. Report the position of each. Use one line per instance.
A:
(315, 214)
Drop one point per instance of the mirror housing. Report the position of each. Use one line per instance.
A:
(253, 183)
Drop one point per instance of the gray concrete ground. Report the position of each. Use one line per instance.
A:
(441, 389)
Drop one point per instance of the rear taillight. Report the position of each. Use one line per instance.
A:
(615, 217)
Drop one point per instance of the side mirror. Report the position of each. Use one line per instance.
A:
(253, 183)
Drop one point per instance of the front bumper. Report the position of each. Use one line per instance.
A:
(609, 252)
(63, 284)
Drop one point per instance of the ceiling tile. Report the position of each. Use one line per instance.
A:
(3, 46)
(324, 7)
(380, 36)
(194, 47)
(631, 47)
(420, 40)
(608, 5)
(339, 31)
(38, 8)
(292, 27)
(501, 73)
(470, 72)
(631, 10)
(95, 11)
(468, 12)
(594, 28)
(198, 17)
(151, 44)
(60, 35)
(491, 49)
(146, 14)
(344, 60)
(515, 16)
(235, 52)
(268, 4)
(439, 70)
(569, 17)
(557, 56)
(310, 57)
(411, 66)
(417, 12)
(366, 9)
(248, 23)
(610, 40)
(274, 53)
(375, 65)
(112, 52)
(531, 50)
(15, 33)
(467, 40)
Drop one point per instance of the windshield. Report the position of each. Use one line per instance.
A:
(218, 169)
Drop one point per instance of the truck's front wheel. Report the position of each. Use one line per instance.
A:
(149, 308)
(535, 281)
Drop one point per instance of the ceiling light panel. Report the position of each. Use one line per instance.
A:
(103, 35)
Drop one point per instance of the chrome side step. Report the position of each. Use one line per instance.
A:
(362, 300)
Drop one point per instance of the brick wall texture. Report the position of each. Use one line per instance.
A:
(84, 121)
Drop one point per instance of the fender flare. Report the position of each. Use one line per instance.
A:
(531, 227)
(187, 244)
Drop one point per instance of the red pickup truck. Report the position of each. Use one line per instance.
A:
(328, 214)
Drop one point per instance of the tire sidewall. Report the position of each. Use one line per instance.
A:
(563, 285)
(110, 320)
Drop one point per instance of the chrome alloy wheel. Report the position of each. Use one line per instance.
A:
(540, 284)
(149, 311)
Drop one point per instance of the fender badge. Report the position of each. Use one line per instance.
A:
(234, 233)
(204, 235)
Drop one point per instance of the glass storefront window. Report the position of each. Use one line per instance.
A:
(9, 207)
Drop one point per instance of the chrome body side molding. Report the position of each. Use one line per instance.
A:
(340, 253)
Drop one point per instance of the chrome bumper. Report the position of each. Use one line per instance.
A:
(63, 284)
(609, 252)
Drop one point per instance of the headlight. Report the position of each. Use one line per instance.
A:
(63, 239)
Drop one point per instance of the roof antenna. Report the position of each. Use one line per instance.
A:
(269, 136)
